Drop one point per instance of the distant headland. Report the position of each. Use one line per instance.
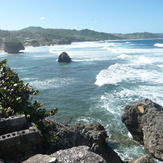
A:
(38, 36)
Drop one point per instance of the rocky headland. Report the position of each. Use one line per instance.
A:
(13, 47)
(83, 143)
(144, 120)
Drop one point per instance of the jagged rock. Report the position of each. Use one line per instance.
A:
(144, 159)
(93, 135)
(71, 155)
(40, 158)
(78, 154)
(13, 47)
(64, 57)
(144, 121)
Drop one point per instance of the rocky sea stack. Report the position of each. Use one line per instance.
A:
(64, 57)
(13, 47)
(144, 120)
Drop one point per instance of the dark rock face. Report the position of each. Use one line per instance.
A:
(144, 120)
(93, 136)
(64, 57)
(64, 42)
(35, 43)
(72, 155)
(13, 47)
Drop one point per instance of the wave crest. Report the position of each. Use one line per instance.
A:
(158, 45)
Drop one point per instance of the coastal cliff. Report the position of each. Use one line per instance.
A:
(88, 143)
(144, 121)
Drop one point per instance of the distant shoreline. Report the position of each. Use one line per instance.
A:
(28, 46)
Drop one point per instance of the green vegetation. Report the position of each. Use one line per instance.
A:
(16, 97)
(37, 36)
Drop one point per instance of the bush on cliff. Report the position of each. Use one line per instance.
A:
(16, 97)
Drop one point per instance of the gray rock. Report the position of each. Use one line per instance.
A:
(64, 57)
(39, 158)
(81, 154)
(13, 47)
(144, 121)
(93, 135)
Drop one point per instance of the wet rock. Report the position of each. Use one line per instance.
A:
(93, 135)
(144, 121)
(64, 57)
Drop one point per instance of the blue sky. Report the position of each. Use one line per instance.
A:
(112, 16)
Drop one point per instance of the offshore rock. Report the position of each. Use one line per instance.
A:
(13, 47)
(144, 121)
(64, 57)
(71, 155)
(93, 135)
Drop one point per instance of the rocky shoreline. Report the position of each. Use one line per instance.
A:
(144, 120)
(88, 143)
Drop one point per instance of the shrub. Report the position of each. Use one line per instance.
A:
(16, 97)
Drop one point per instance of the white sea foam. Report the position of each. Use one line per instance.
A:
(143, 60)
(28, 79)
(118, 73)
(158, 45)
(160, 65)
(133, 51)
(36, 49)
(130, 152)
(75, 46)
(124, 57)
(153, 92)
(51, 83)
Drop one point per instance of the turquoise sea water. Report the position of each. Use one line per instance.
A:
(103, 78)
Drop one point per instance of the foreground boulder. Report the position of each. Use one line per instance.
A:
(94, 136)
(72, 155)
(144, 120)
(13, 47)
(64, 57)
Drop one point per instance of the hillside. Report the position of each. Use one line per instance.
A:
(38, 36)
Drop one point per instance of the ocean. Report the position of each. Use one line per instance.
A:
(103, 78)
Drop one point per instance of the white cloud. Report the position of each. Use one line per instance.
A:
(75, 27)
(42, 18)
